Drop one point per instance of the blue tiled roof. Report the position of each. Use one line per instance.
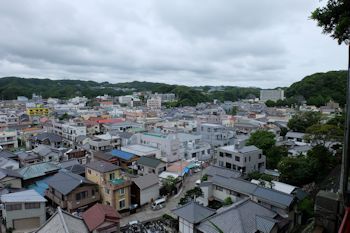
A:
(122, 154)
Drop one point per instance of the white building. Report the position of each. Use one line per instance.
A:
(274, 95)
(142, 150)
(244, 159)
(154, 103)
(8, 139)
(68, 130)
(24, 211)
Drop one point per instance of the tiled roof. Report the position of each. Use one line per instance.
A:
(193, 212)
(23, 196)
(149, 162)
(66, 182)
(146, 181)
(98, 214)
(102, 166)
(221, 171)
(37, 170)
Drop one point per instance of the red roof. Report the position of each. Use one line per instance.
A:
(111, 120)
(99, 214)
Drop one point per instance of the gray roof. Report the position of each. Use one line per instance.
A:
(247, 149)
(267, 195)
(264, 223)
(37, 170)
(295, 135)
(42, 150)
(23, 196)
(274, 197)
(102, 166)
(238, 218)
(193, 212)
(7, 154)
(8, 172)
(66, 182)
(63, 222)
(225, 172)
(149, 162)
(146, 181)
(52, 137)
(238, 185)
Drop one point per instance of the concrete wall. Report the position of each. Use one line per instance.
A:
(149, 193)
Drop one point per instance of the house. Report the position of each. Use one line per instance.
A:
(23, 211)
(71, 191)
(213, 170)
(145, 189)
(39, 171)
(221, 187)
(78, 154)
(296, 137)
(48, 153)
(102, 218)
(245, 216)
(7, 163)
(73, 166)
(148, 165)
(114, 189)
(27, 158)
(190, 215)
(51, 139)
(125, 159)
(10, 179)
(63, 222)
(244, 159)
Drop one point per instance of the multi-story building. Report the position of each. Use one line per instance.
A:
(274, 95)
(216, 135)
(23, 211)
(244, 159)
(38, 111)
(170, 145)
(114, 189)
(154, 103)
(8, 139)
(68, 130)
(193, 147)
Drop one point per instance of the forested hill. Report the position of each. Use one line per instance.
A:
(319, 88)
(316, 89)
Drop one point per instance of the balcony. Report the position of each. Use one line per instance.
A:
(58, 201)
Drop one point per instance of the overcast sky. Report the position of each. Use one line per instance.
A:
(266, 43)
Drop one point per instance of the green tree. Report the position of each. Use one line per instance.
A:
(302, 120)
(322, 133)
(169, 184)
(334, 18)
(227, 201)
(295, 171)
(274, 156)
(234, 110)
(262, 139)
(270, 103)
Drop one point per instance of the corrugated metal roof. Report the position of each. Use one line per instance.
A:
(122, 154)
(23, 196)
(37, 170)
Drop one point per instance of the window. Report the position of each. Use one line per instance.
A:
(221, 163)
(219, 188)
(249, 158)
(228, 165)
(121, 191)
(107, 190)
(111, 176)
(89, 171)
(32, 205)
(121, 204)
(228, 155)
(221, 154)
(11, 207)
(81, 195)
(259, 156)
(237, 158)
(245, 159)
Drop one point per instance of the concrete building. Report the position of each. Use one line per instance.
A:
(193, 147)
(24, 211)
(274, 95)
(244, 159)
(169, 145)
(142, 150)
(8, 140)
(145, 189)
(68, 130)
(216, 135)
(154, 103)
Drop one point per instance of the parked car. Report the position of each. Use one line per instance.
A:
(158, 204)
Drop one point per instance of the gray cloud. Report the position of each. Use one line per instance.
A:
(247, 43)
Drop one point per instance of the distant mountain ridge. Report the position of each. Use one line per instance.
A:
(316, 89)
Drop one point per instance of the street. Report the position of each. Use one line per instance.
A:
(172, 202)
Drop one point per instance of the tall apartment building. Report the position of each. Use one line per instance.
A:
(274, 95)
(245, 159)
(8, 139)
(216, 135)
